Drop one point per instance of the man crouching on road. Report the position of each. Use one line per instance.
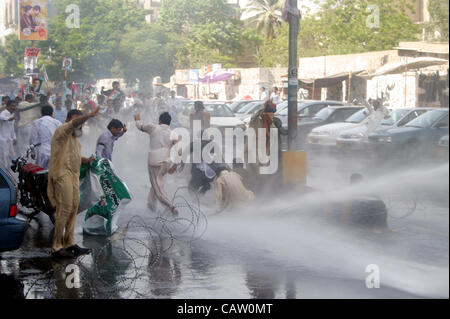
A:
(63, 182)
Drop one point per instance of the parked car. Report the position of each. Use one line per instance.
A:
(247, 111)
(255, 107)
(221, 116)
(443, 147)
(326, 135)
(12, 229)
(332, 114)
(417, 138)
(237, 105)
(306, 109)
(353, 139)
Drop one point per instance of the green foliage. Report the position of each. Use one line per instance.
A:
(11, 56)
(265, 16)
(439, 18)
(114, 39)
(180, 15)
(205, 32)
(108, 29)
(144, 53)
(341, 27)
(345, 25)
(94, 46)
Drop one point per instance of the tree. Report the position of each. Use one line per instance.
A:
(180, 15)
(205, 32)
(145, 53)
(439, 18)
(265, 15)
(12, 56)
(344, 27)
(93, 47)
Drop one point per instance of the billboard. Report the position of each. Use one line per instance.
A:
(33, 20)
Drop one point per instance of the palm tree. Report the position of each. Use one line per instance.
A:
(265, 15)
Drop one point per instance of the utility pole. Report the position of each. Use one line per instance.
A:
(294, 160)
(294, 27)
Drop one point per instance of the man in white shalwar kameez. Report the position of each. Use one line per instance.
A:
(42, 133)
(7, 135)
(29, 111)
(162, 139)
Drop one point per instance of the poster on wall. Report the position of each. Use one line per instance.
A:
(33, 20)
(31, 61)
(194, 76)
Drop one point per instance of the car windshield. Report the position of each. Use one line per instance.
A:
(394, 117)
(218, 110)
(358, 117)
(236, 106)
(247, 108)
(255, 108)
(283, 109)
(324, 114)
(426, 120)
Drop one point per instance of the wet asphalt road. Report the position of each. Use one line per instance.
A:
(272, 249)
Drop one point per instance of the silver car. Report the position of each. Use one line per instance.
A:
(354, 138)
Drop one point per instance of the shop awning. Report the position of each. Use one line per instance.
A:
(328, 81)
(410, 65)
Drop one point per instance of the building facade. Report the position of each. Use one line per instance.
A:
(9, 18)
(420, 13)
(340, 77)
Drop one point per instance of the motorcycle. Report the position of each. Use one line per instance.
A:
(32, 187)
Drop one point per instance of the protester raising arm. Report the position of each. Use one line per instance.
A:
(144, 128)
(80, 120)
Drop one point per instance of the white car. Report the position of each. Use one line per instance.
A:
(326, 135)
(247, 111)
(354, 138)
(221, 116)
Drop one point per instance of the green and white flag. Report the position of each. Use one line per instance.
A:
(102, 188)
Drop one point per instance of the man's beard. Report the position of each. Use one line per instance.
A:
(77, 133)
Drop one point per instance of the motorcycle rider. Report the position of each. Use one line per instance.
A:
(42, 133)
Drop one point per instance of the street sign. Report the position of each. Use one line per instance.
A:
(293, 81)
